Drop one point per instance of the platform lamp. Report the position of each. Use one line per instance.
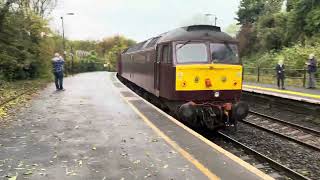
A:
(63, 38)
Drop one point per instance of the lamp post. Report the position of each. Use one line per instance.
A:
(63, 37)
(215, 18)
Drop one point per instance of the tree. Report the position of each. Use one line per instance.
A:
(114, 46)
(249, 11)
(39, 7)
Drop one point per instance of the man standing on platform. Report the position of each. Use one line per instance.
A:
(57, 63)
(312, 69)
(280, 74)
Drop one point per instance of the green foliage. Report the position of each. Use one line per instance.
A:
(111, 48)
(27, 44)
(294, 56)
(19, 45)
(249, 11)
(270, 33)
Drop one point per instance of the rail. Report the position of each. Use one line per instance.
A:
(292, 138)
(291, 173)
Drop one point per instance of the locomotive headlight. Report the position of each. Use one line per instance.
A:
(217, 94)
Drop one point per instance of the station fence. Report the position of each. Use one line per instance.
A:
(293, 76)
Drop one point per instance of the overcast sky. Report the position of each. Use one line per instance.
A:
(136, 19)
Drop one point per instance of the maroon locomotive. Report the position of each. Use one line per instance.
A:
(193, 72)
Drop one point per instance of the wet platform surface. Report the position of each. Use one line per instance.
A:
(98, 129)
(294, 93)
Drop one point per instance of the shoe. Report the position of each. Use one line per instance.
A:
(283, 88)
(62, 89)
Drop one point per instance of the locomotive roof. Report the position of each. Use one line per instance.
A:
(196, 32)
(187, 33)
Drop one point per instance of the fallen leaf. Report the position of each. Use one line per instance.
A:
(94, 148)
(80, 163)
(12, 178)
(20, 164)
(148, 175)
(165, 166)
(29, 172)
(154, 140)
(136, 162)
(19, 168)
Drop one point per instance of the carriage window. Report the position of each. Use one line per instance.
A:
(224, 53)
(192, 53)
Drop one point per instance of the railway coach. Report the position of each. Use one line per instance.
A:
(194, 72)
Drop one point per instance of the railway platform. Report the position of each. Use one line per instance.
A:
(292, 93)
(99, 129)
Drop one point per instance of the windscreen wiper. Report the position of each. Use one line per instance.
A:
(184, 44)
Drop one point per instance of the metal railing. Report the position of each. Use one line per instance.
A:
(294, 77)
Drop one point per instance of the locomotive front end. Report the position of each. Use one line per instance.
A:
(211, 73)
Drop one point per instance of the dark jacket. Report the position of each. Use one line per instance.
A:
(280, 71)
(57, 64)
(312, 67)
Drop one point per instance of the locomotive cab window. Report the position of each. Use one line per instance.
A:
(191, 53)
(224, 53)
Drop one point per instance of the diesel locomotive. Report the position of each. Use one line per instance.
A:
(194, 72)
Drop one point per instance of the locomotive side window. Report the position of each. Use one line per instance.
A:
(165, 54)
(192, 53)
(224, 53)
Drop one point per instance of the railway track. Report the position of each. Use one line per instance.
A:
(302, 135)
(266, 165)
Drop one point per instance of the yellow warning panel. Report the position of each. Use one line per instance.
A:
(197, 77)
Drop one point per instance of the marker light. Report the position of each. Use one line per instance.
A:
(217, 94)
(208, 83)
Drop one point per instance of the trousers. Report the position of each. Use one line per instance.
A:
(58, 80)
(312, 80)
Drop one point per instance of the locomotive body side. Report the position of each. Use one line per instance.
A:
(138, 67)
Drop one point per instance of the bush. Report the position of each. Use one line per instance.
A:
(294, 56)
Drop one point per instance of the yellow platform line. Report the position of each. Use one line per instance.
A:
(284, 91)
(174, 145)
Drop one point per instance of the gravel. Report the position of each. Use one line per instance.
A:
(299, 158)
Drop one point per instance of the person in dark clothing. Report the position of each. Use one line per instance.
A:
(57, 63)
(312, 69)
(280, 74)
